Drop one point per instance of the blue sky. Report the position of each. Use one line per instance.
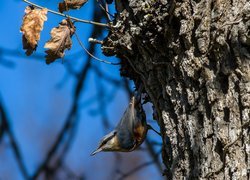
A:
(37, 98)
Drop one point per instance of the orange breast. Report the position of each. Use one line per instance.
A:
(140, 133)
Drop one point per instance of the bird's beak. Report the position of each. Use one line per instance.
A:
(96, 151)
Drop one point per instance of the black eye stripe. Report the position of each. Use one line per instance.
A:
(107, 139)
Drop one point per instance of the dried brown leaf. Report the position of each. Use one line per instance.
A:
(70, 4)
(31, 28)
(60, 40)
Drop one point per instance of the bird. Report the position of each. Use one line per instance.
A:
(129, 133)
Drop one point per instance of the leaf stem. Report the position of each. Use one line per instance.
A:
(66, 16)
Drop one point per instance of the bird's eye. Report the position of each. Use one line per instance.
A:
(104, 142)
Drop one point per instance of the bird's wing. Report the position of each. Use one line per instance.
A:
(133, 119)
(128, 119)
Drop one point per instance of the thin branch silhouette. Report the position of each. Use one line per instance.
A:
(66, 16)
(13, 142)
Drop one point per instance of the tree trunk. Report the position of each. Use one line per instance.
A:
(193, 58)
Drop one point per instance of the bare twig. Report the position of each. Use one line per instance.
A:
(102, 104)
(154, 155)
(70, 174)
(105, 10)
(13, 142)
(69, 121)
(84, 48)
(72, 117)
(71, 134)
(136, 169)
(64, 15)
(106, 77)
(96, 58)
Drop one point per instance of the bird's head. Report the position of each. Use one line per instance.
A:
(108, 143)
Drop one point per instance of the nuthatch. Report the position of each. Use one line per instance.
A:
(130, 131)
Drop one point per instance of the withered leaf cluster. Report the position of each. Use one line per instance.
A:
(31, 28)
(70, 4)
(60, 40)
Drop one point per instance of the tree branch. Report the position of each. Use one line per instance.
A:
(136, 169)
(13, 142)
(66, 16)
(71, 118)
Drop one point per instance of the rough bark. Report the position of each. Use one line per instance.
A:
(193, 58)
